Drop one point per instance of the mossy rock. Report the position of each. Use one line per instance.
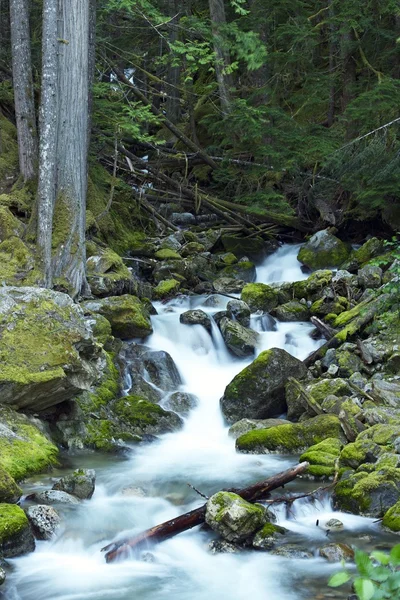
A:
(17, 263)
(323, 250)
(192, 248)
(292, 311)
(144, 417)
(24, 450)
(101, 328)
(9, 490)
(9, 161)
(255, 248)
(317, 391)
(259, 296)
(16, 537)
(391, 518)
(167, 254)
(359, 452)
(268, 537)
(372, 248)
(322, 457)
(9, 225)
(258, 391)
(166, 288)
(243, 270)
(47, 351)
(311, 288)
(240, 341)
(291, 438)
(235, 519)
(128, 316)
(107, 274)
(228, 258)
(326, 306)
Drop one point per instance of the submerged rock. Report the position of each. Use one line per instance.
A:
(196, 317)
(336, 552)
(323, 250)
(80, 483)
(240, 340)
(258, 391)
(223, 547)
(181, 403)
(16, 537)
(44, 521)
(235, 519)
(292, 551)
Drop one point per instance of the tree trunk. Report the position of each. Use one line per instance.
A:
(48, 140)
(23, 88)
(225, 82)
(332, 64)
(69, 253)
(173, 108)
(92, 62)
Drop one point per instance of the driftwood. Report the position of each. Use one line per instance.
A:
(327, 332)
(166, 530)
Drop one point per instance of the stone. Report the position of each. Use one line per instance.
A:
(171, 242)
(80, 483)
(292, 551)
(127, 315)
(391, 518)
(181, 403)
(336, 552)
(239, 311)
(235, 519)
(244, 425)
(142, 417)
(372, 248)
(322, 457)
(312, 287)
(49, 497)
(259, 296)
(386, 392)
(228, 285)
(44, 521)
(10, 492)
(255, 248)
(258, 391)
(196, 317)
(166, 288)
(239, 340)
(106, 273)
(161, 370)
(243, 270)
(192, 248)
(291, 438)
(167, 254)
(292, 311)
(323, 250)
(333, 525)
(223, 547)
(317, 391)
(185, 219)
(370, 277)
(16, 537)
(48, 353)
(268, 537)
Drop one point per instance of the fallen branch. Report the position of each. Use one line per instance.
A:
(166, 530)
(327, 332)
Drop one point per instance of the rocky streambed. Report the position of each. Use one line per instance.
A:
(206, 384)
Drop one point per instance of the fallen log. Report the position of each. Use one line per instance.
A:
(170, 528)
(323, 328)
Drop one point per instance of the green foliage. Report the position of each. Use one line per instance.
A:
(378, 575)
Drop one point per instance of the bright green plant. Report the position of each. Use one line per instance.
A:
(377, 578)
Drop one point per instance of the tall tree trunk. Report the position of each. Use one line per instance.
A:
(332, 64)
(225, 82)
(92, 61)
(23, 88)
(173, 108)
(48, 139)
(69, 253)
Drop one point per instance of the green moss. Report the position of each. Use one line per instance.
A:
(16, 263)
(349, 315)
(101, 329)
(229, 258)
(9, 162)
(355, 493)
(260, 296)
(359, 452)
(105, 435)
(166, 288)
(323, 306)
(137, 411)
(313, 285)
(391, 518)
(167, 254)
(373, 247)
(270, 529)
(129, 318)
(108, 389)
(381, 434)
(9, 490)
(327, 387)
(292, 437)
(325, 255)
(13, 521)
(322, 457)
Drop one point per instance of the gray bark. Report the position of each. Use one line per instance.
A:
(92, 61)
(173, 108)
(48, 139)
(69, 256)
(225, 82)
(23, 88)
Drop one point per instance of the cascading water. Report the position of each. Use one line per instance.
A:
(72, 568)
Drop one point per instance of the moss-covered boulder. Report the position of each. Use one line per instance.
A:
(258, 391)
(322, 250)
(167, 254)
(360, 452)
(228, 285)
(239, 340)
(235, 519)
(9, 225)
(329, 306)
(311, 288)
(391, 518)
(255, 248)
(268, 537)
(142, 417)
(9, 490)
(292, 311)
(370, 277)
(259, 296)
(16, 537)
(192, 248)
(323, 457)
(24, 450)
(167, 288)
(106, 273)
(372, 248)
(129, 318)
(291, 438)
(244, 270)
(244, 425)
(47, 351)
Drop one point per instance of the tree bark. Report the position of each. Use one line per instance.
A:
(91, 62)
(69, 253)
(23, 88)
(48, 140)
(166, 530)
(173, 108)
(222, 62)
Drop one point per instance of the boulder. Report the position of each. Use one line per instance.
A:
(372, 248)
(244, 270)
(181, 403)
(323, 250)
(192, 248)
(184, 219)
(128, 316)
(336, 552)
(228, 285)
(391, 518)
(268, 537)
(143, 418)
(235, 519)
(196, 317)
(167, 254)
(317, 391)
(258, 391)
(244, 425)
(166, 288)
(44, 521)
(49, 497)
(80, 483)
(370, 277)
(223, 547)
(292, 551)
(312, 287)
(322, 457)
(259, 296)
(161, 370)
(16, 537)
(106, 272)
(291, 438)
(48, 353)
(255, 248)
(9, 490)
(239, 311)
(240, 340)
(292, 311)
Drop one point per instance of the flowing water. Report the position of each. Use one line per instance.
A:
(72, 567)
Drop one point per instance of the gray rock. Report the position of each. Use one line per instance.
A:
(16, 536)
(268, 537)
(240, 340)
(55, 497)
(292, 551)
(323, 250)
(240, 311)
(196, 317)
(161, 370)
(129, 318)
(333, 525)
(44, 521)
(258, 391)
(370, 277)
(171, 243)
(336, 552)
(243, 271)
(181, 403)
(80, 483)
(386, 392)
(228, 285)
(245, 425)
(233, 518)
(223, 547)
(292, 311)
(183, 219)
